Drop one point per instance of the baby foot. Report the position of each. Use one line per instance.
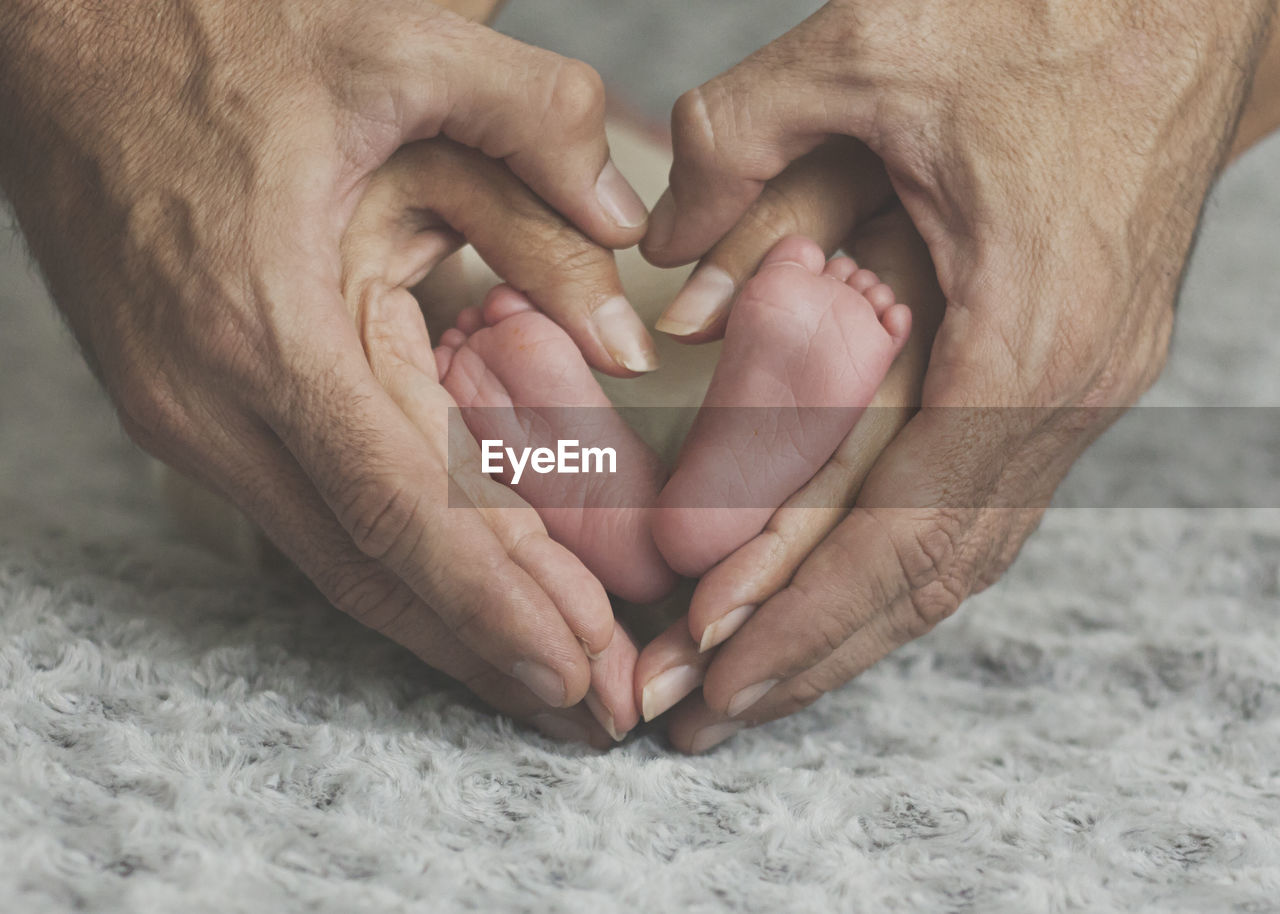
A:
(805, 348)
(520, 379)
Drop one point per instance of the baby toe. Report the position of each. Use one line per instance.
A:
(503, 302)
(862, 280)
(452, 338)
(897, 323)
(472, 384)
(840, 268)
(881, 298)
(469, 320)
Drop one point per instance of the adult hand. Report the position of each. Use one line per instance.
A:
(1055, 160)
(184, 173)
(416, 207)
(839, 196)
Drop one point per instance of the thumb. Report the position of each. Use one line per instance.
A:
(429, 192)
(822, 195)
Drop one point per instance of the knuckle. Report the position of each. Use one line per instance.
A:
(469, 621)
(936, 575)
(573, 257)
(152, 416)
(930, 605)
(831, 619)
(693, 128)
(801, 693)
(486, 682)
(570, 274)
(689, 114)
(833, 626)
(561, 256)
(381, 516)
(720, 129)
(374, 598)
(577, 93)
(771, 217)
(778, 211)
(522, 206)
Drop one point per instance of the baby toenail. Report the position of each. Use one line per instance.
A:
(749, 696)
(863, 280)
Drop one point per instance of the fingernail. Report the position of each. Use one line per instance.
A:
(561, 728)
(713, 735)
(700, 303)
(624, 335)
(604, 715)
(719, 631)
(749, 696)
(618, 198)
(662, 223)
(542, 681)
(662, 691)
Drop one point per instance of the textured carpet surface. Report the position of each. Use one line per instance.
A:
(1101, 731)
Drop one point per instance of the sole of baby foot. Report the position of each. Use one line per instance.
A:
(519, 380)
(806, 345)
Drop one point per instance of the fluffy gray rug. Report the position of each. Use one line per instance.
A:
(1101, 731)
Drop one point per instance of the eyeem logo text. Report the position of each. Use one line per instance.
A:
(567, 457)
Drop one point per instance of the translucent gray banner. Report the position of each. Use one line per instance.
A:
(1152, 457)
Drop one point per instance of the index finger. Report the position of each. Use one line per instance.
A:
(567, 275)
(740, 130)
